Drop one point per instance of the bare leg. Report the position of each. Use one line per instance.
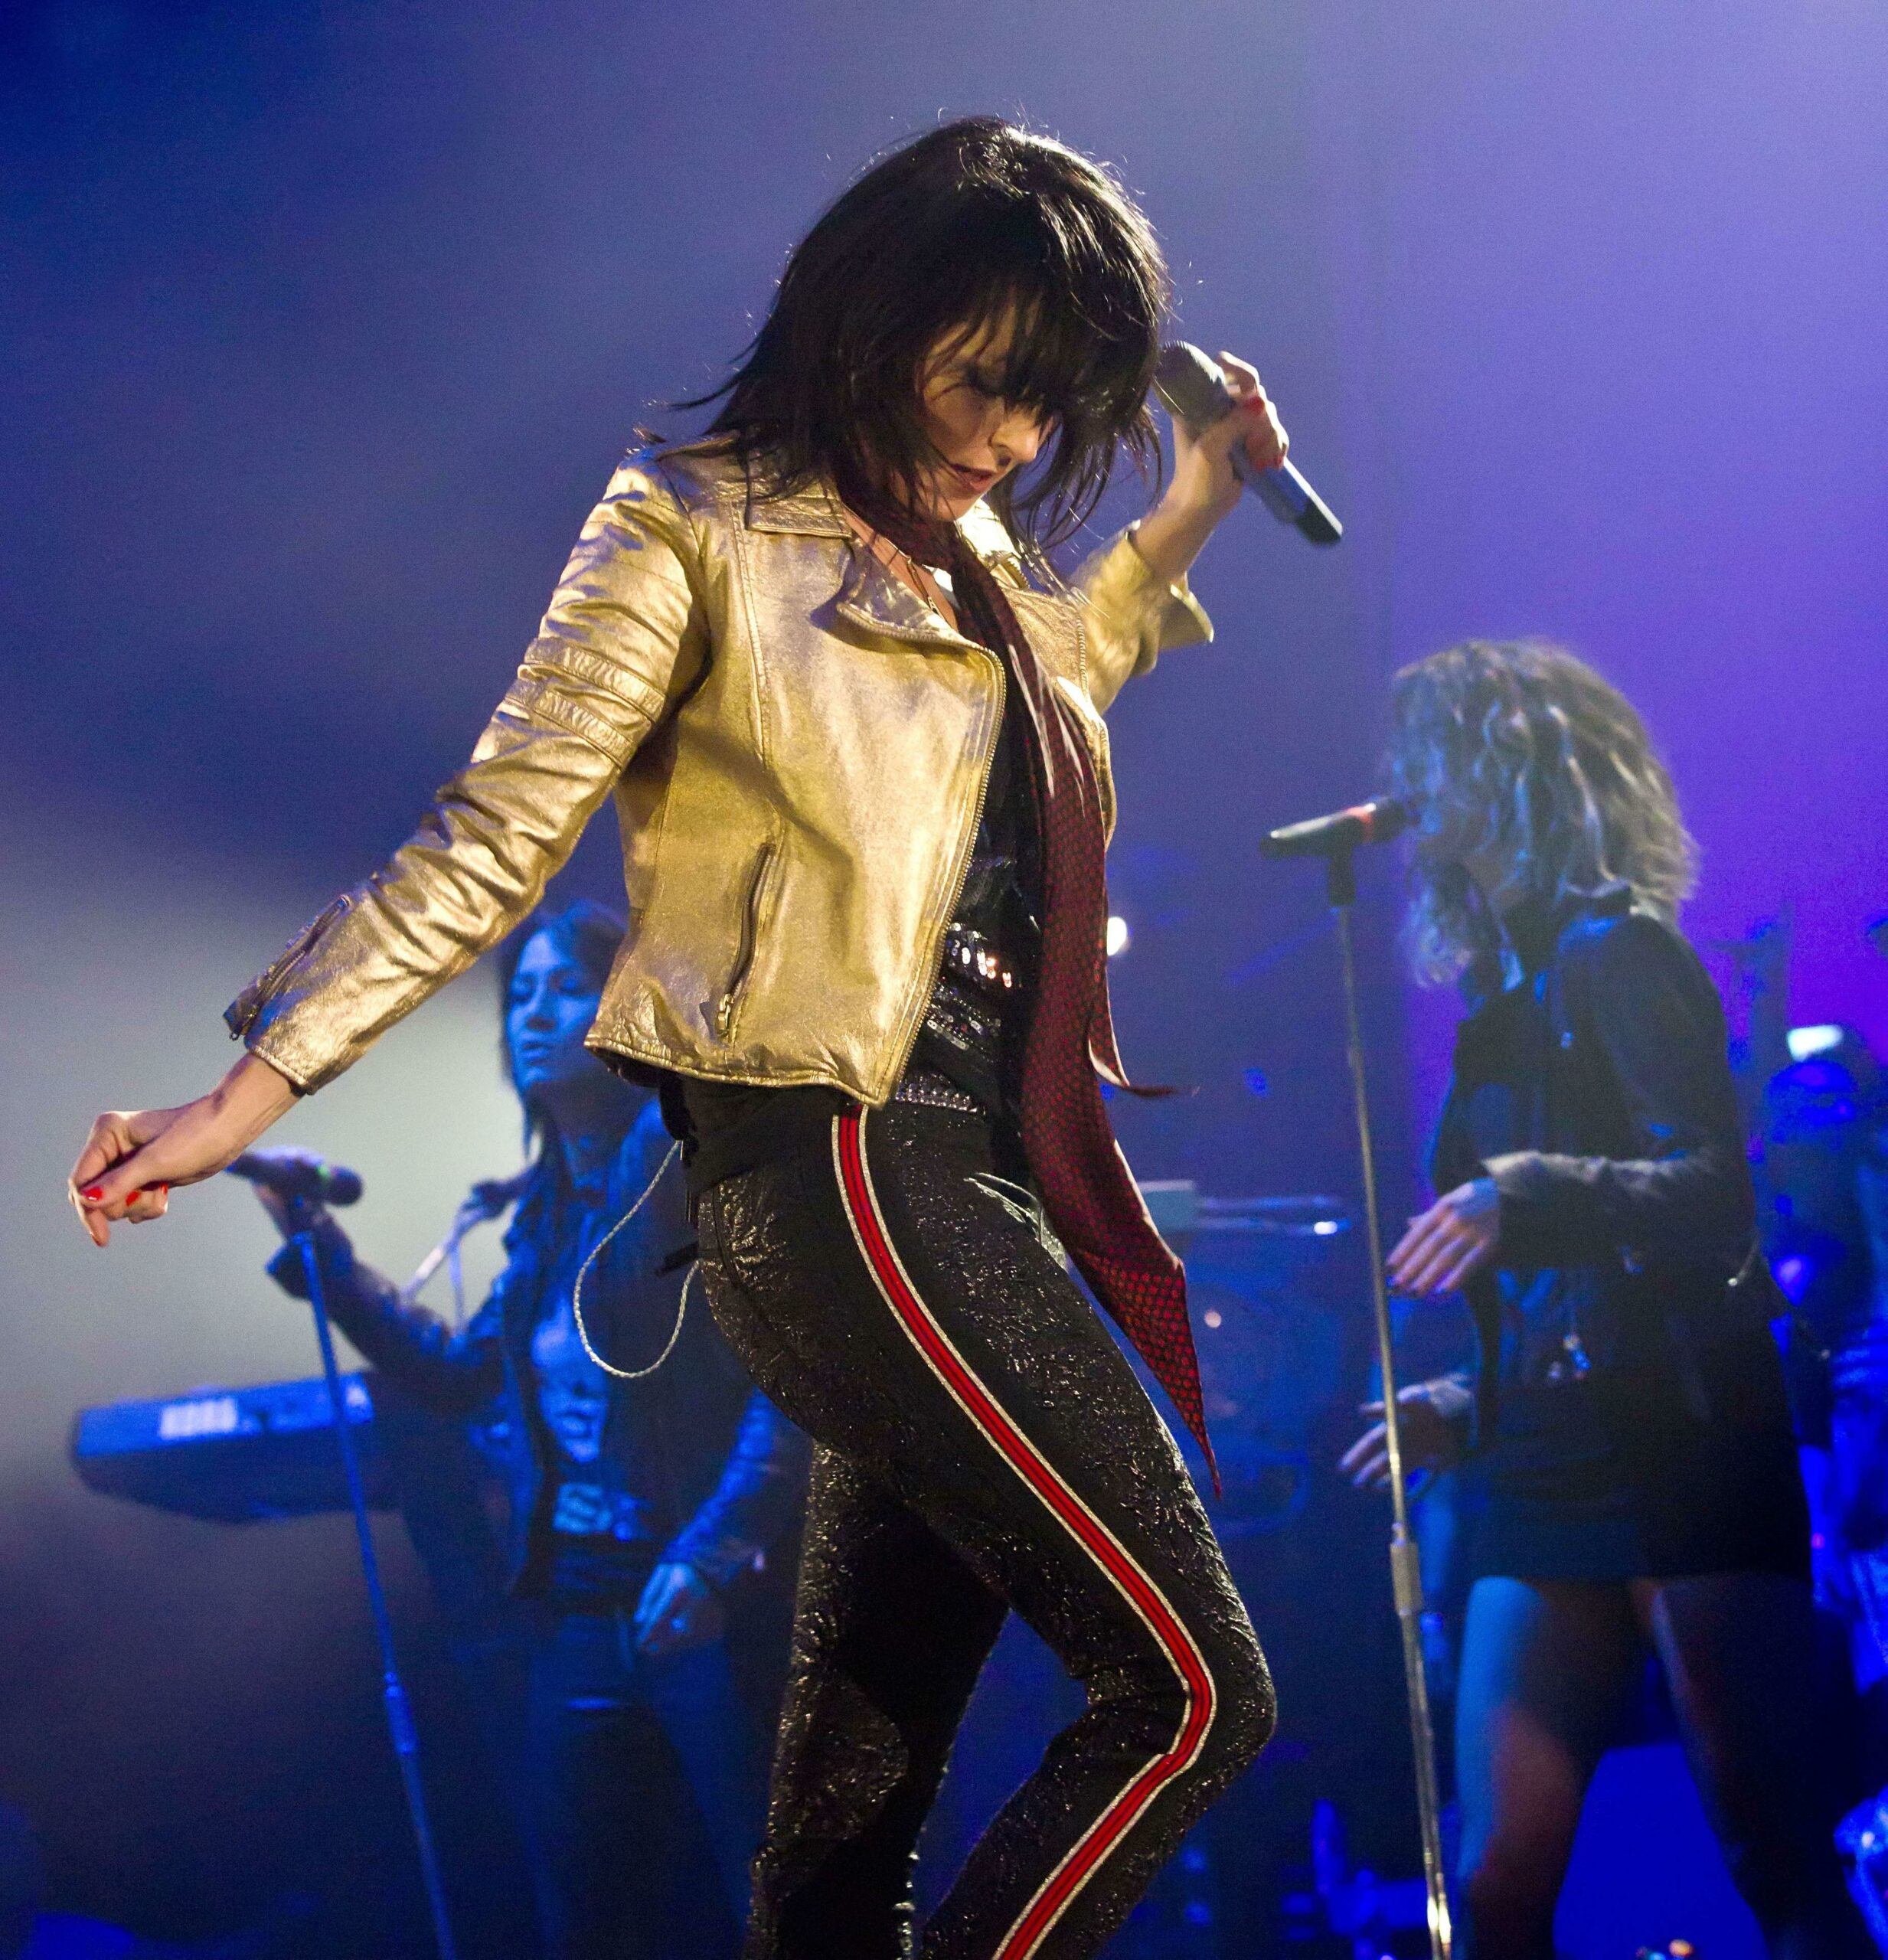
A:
(1546, 1666)
(1740, 1651)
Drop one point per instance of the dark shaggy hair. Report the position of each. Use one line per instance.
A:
(584, 933)
(973, 222)
(1515, 742)
(588, 936)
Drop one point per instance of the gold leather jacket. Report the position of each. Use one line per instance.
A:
(797, 746)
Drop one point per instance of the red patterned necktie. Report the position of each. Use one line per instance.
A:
(1087, 1189)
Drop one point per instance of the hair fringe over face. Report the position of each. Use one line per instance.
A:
(974, 224)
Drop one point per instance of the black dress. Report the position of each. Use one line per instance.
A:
(1629, 1416)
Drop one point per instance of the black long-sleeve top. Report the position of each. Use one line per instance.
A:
(1627, 1415)
(1596, 1092)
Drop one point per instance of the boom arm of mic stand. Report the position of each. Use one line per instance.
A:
(399, 1712)
(445, 1252)
(1406, 1570)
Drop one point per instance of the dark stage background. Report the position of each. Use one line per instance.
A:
(324, 325)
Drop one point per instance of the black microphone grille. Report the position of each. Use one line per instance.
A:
(1390, 816)
(1375, 822)
(295, 1175)
(341, 1186)
(1191, 385)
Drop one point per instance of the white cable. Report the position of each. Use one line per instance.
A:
(681, 1305)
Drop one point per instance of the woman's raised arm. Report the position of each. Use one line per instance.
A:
(1204, 488)
(1137, 590)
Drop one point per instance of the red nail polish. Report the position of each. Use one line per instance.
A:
(93, 1193)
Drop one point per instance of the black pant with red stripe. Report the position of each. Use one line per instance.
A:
(982, 1446)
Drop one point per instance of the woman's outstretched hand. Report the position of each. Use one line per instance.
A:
(133, 1157)
(1455, 1239)
(1204, 486)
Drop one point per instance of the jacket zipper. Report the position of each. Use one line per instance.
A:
(963, 869)
(750, 942)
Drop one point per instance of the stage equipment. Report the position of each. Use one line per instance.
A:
(1375, 822)
(399, 1712)
(1191, 385)
(1260, 1281)
(1339, 852)
(489, 1199)
(297, 1174)
(1361, 1908)
(1862, 1842)
(235, 1455)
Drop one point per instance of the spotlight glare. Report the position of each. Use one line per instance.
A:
(1803, 1042)
(1119, 936)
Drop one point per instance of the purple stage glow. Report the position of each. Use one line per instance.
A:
(326, 324)
(1612, 374)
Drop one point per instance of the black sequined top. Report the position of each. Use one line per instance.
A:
(973, 1035)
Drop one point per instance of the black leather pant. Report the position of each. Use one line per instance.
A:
(982, 1444)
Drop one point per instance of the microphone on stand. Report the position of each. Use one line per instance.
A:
(295, 1173)
(302, 1180)
(1191, 385)
(1375, 822)
(1335, 839)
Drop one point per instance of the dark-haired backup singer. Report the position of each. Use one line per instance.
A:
(636, 1508)
(853, 726)
(1631, 1478)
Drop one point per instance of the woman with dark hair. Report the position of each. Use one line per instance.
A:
(637, 1508)
(852, 721)
(1630, 1476)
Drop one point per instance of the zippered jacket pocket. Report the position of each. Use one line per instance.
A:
(760, 888)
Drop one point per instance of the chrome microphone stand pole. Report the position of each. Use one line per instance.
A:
(1406, 1570)
(399, 1712)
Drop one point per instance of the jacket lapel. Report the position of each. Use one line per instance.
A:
(811, 512)
(870, 597)
(1053, 629)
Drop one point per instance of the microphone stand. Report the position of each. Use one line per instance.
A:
(399, 1712)
(1406, 1570)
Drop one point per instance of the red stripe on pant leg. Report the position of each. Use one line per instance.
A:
(1181, 1653)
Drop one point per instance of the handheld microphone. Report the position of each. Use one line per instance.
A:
(1191, 385)
(295, 1173)
(1375, 822)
